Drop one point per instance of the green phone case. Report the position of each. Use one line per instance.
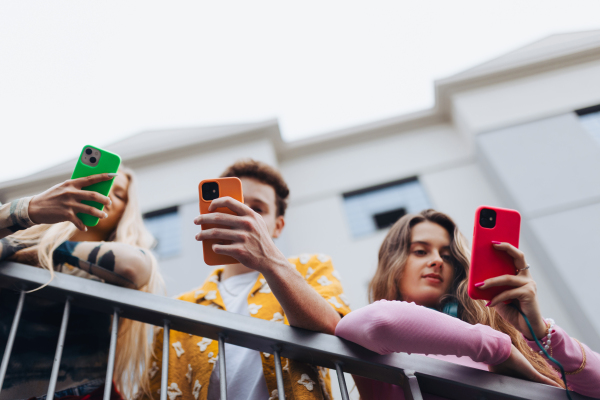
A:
(108, 163)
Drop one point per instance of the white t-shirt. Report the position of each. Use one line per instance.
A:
(245, 379)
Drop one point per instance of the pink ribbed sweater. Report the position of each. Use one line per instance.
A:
(397, 326)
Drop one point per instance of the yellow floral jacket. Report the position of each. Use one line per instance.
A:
(192, 358)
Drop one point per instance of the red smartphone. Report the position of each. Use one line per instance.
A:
(499, 225)
(210, 190)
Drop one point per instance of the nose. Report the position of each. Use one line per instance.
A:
(436, 261)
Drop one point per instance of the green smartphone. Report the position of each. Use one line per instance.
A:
(92, 161)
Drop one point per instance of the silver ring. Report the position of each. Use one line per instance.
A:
(523, 269)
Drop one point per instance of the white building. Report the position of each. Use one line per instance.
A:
(505, 133)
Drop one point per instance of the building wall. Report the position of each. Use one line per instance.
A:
(527, 99)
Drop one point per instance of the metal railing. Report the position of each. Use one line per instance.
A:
(416, 374)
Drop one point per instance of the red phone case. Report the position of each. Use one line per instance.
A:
(228, 187)
(486, 261)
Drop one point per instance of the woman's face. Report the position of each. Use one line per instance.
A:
(118, 196)
(428, 273)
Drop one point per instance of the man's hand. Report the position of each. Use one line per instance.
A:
(63, 201)
(248, 240)
(246, 236)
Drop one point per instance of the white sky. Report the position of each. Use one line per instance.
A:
(79, 72)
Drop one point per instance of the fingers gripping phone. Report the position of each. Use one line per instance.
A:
(92, 161)
(210, 190)
(492, 224)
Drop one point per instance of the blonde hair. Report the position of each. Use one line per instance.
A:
(393, 255)
(132, 345)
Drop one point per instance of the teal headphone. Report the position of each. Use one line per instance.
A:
(450, 308)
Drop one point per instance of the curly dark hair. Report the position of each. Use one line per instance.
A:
(264, 173)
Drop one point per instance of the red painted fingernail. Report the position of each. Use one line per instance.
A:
(494, 242)
(479, 284)
(488, 304)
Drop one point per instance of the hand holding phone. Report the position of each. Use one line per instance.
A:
(492, 225)
(210, 190)
(63, 202)
(93, 161)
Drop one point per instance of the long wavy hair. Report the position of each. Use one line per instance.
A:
(393, 255)
(132, 344)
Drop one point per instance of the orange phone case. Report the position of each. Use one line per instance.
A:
(486, 261)
(228, 187)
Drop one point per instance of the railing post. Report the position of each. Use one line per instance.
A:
(59, 350)
(411, 386)
(11, 338)
(164, 385)
(111, 355)
(222, 369)
(342, 381)
(279, 374)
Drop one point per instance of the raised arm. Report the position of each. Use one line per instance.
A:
(117, 263)
(578, 360)
(251, 244)
(57, 204)
(14, 217)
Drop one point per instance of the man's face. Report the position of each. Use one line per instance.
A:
(261, 198)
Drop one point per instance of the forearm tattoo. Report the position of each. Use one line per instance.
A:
(103, 268)
(9, 247)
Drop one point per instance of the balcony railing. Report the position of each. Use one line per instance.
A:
(416, 374)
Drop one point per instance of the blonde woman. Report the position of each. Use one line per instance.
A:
(117, 251)
(421, 306)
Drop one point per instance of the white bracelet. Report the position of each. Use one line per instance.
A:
(547, 340)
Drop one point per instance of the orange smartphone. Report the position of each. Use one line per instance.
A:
(492, 224)
(209, 190)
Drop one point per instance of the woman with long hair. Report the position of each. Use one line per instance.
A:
(421, 306)
(117, 251)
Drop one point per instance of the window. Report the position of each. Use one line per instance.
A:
(379, 207)
(165, 225)
(590, 119)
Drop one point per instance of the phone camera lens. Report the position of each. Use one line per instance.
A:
(88, 151)
(487, 218)
(93, 160)
(210, 191)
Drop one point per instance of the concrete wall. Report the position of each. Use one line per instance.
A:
(527, 99)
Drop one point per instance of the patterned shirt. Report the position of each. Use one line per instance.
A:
(192, 358)
(14, 216)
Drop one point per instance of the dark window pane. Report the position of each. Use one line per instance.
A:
(386, 219)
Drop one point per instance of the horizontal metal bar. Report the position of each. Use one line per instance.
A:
(436, 377)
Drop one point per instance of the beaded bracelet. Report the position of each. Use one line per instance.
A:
(546, 340)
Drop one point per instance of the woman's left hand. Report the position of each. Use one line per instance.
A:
(524, 292)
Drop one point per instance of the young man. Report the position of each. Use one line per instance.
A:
(302, 291)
